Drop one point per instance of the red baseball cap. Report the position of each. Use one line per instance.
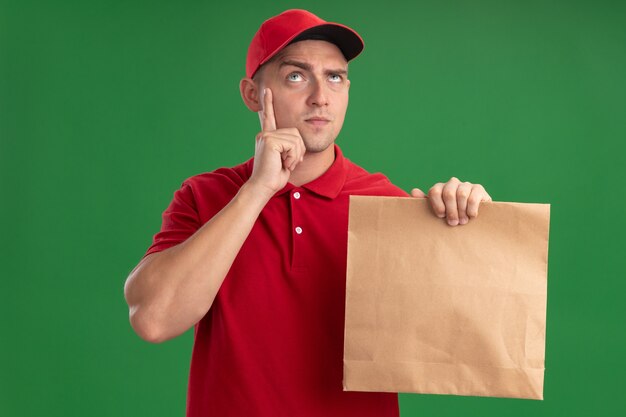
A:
(294, 25)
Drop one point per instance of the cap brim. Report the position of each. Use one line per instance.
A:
(346, 39)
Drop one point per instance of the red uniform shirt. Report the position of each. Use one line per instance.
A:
(272, 342)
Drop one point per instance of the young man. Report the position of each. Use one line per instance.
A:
(255, 256)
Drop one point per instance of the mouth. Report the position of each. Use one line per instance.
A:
(317, 121)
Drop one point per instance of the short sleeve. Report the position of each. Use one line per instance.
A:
(180, 221)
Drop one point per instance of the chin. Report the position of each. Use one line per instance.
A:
(316, 146)
(316, 143)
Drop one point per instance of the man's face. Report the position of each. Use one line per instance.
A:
(309, 83)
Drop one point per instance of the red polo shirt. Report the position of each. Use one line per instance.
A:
(272, 342)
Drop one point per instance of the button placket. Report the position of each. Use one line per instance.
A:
(297, 227)
(296, 195)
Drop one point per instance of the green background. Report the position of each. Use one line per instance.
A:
(107, 106)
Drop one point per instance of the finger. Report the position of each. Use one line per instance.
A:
(462, 195)
(436, 201)
(300, 148)
(301, 145)
(417, 193)
(477, 196)
(448, 195)
(289, 161)
(287, 142)
(268, 120)
(292, 158)
(296, 145)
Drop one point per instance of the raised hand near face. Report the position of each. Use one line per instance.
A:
(457, 201)
(277, 151)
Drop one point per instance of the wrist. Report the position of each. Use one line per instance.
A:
(255, 193)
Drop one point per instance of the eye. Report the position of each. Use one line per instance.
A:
(335, 78)
(294, 76)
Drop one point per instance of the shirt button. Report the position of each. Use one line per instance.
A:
(296, 195)
(298, 230)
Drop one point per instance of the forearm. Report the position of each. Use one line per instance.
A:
(170, 291)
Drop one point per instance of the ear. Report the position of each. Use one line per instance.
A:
(250, 94)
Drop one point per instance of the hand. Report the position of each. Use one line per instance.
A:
(455, 200)
(277, 151)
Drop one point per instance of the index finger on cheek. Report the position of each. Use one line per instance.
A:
(269, 120)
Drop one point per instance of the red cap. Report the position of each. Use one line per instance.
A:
(295, 24)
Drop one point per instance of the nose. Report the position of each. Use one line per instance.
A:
(318, 96)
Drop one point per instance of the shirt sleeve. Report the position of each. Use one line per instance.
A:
(180, 221)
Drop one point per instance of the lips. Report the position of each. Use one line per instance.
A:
(317, 121)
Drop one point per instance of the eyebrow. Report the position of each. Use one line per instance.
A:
(308, 67)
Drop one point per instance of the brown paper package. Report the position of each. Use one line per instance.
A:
(446, 310)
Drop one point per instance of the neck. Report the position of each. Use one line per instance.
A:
(313, 166)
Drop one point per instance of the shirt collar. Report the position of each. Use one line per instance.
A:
(330, 183)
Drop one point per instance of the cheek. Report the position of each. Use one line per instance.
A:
(283, 112)
(342, 106)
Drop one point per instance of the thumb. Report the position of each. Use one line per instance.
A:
(417, 193)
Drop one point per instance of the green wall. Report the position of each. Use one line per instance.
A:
(106, 106)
